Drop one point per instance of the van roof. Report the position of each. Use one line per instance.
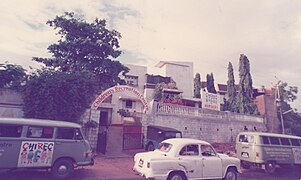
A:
(38, 122)
(270, 134)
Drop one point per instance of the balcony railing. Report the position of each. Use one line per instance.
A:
(165, 108)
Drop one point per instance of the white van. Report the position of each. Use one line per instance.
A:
(38, 143)
(268, 149)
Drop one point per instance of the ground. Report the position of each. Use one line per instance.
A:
(105, 168)
(120, 168)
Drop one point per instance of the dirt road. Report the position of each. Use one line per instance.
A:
(121, 169)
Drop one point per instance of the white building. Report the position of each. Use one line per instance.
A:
(181, 73)
(121, 109)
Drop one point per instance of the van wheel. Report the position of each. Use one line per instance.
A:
(176, 176)
(150, 147)
(270, 167)
(62, 169)
(231, 174)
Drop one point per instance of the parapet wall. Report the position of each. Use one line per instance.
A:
(211, 126)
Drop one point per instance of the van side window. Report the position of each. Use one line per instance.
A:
(285, 141)
(265, 140)
(69, 133)
(10, 130)
(40, 132)
(274, 140)
(295, 142)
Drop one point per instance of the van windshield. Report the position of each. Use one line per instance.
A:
(172, 135)
(246, 138)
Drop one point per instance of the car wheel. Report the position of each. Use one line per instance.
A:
(176, 176)
(150, 147)
(62, 169)
(270, 167)
(231, 174)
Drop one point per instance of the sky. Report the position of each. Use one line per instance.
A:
(209, 33)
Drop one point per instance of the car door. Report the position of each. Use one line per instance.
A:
(191, 160)
(212, 163)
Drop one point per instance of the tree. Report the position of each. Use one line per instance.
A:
(210, 83)
(231, 103)
(58, 95)
(197, 86)
(12, 76)
(287, 93)
(160, 96)
(245, 102)
(292, 119)
(85, 47)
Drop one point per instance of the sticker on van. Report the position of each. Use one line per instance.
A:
(35, 154)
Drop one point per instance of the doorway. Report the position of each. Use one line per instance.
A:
(104, 122)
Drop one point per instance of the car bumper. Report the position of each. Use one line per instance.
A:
(86, 163)
(149, 175)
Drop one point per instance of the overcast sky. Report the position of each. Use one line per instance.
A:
(208, 33)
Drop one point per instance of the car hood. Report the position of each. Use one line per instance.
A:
(223, 155)
(229, 159)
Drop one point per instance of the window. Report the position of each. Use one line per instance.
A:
(131, 80)
(207, 150)
(129, 104)
(246, 138)
(10, 130)
(285, 141)
(165, 147)
(265, 140)
(40, 132)
(69, 133)
(172, 135)
(274, 140)
(295, 142)
(190, 150)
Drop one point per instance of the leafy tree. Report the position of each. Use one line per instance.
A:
(12, 76)
(246, 104)
(287, 93)
(160, 96)
(58, 95)
(197, 86)
(231, 103)
(85, 47)
(291, 119)
(210, 83)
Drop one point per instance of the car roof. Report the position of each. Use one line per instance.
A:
(179, 143)
(183, 141)
(269, 134)
(38, 122)
(166, 129)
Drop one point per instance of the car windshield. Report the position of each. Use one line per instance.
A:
(165, 147)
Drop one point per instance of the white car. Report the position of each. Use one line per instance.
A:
(182, 158)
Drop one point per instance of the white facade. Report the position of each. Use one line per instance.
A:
(181, 73)
(125, 100)
(140, 72)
